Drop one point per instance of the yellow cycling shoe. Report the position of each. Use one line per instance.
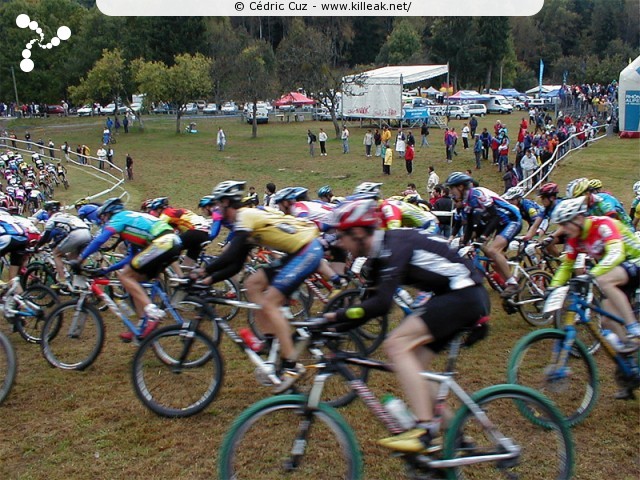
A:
(417, 440)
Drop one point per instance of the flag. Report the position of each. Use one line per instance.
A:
(541, 72)
(565, 75)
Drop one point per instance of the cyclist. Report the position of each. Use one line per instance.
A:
(269, 286)
(530, 211)
(409, 257)
(325, 194)
(614, 247)
(193, 229)
(152, 247)
(291, 201)
(61, 172)
(88, 211)
(67, 234)
(598, 204)
(635, 206)
(486, 210)
(13, 241)
(208, 204)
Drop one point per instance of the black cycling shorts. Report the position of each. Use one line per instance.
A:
(447, 314)
(14, 246)
(160, 253)
(192, 241)
(633, 272)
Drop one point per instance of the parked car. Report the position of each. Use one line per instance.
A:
(477, 109)
(210, 109)
(458, 111)
(229, 108)
(110, 109)
(136, 107)
(85, 110)
(201, 104)
(262, 115)
(163, 108)
(542, 103)
(55, 110)
(499, 104)
(287, 108)
(190, 109)
(321, 113)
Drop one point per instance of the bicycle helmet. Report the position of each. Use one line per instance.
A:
(636, 188)
(577, 187)
(144, 207)
(160, 202)
(206, 201)
(368, 187)
(230, 189)
(595, 184)
(324, 191)
(458, 178)
(568, 209)
(548, 189)
(81, 202)
(283, 194)
(359, 213)
(513, 193)
(298, 193)
(411, 198)
(111, 205)
(51, 206)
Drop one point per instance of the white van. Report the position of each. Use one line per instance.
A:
(458, 111)
(499, 104)
(262, 115)
(477, 109)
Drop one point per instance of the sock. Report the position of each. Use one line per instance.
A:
(288, 364)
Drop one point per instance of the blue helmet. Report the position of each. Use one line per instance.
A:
(458, 178)
(283, 194)
(324, 191)
(207, 201)
(111, 205)
(160, 202)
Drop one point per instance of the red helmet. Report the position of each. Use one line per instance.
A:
(358, 213)
(548, 189)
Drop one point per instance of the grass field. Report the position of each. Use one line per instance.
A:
(89, 425)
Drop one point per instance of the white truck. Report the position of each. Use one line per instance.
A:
(499, 104)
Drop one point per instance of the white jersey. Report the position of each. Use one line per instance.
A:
(65, 222)
(318, 212)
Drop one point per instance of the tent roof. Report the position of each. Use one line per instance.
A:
(468, 95)
(294, 98)
(509, 92)
(409, 73)
(631, 72)
(545, 88)
(432, 91)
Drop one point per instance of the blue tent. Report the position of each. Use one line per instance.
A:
(509, 92)
(551, 94)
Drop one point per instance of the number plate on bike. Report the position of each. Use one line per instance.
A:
(556, 299)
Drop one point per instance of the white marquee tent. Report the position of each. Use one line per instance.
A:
(629, 100)
(378, 93)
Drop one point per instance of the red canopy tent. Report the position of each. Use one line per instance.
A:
(294, 98)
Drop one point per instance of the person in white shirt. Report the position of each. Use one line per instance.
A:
(345, 139)
(432, 181)
(465, 136)
(221, 139)
(322, 138)
(529, 164)
(102, 156)
(368, 142)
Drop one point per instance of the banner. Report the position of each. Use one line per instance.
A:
(541, 72)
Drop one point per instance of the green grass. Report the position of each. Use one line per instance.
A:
(87, 425)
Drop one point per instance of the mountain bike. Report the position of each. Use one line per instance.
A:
(184, 388)
(298, 436)
(559, 364)
(8, 366)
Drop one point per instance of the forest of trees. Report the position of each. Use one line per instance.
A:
(586, 40)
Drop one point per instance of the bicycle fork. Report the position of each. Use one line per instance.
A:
(79, 318)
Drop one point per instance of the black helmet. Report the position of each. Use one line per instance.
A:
(52, 206)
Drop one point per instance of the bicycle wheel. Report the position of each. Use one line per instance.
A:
(177, 383)
(8, 366)
(40, 302)
(371, 333)
(298, 303)
(337, 392)
(225, 290)
(72, 338)
(37, 273)
(543, 452)
(193, 309)
(533, 364)
(306, 444)
(533, 288)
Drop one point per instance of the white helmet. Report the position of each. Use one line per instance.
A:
(513, 192)
(368, 187)
(636, 188)
(568, 209)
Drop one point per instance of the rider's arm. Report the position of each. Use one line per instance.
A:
(614, 255)
(216, 224)
(564, 271)
(231, 259)
(106, 233)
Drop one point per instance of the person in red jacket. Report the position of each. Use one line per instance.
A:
(409, 154)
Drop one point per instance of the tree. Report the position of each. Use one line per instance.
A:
(256, 76)
(493, 44)
(452, 40)
(189, 78)
(403, 46)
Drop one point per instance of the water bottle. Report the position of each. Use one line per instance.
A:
(530, 250)
(250, 339)
(613, 339)
(399, 411)
(404, 296)
(497, 278)
(125, 308)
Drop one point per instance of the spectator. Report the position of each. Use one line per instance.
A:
(125, 123)
(401, 143)
(221, 139)
(465, 136)
(269, 195)
(473, 126)
(345, 139)
(432, 181)
(387, 159)
(52, 146)
(510, 178)
(311, 140)
(485, 137)
(368, 142)
(117, 125)
(27, 138)
(477, 150)
(424, 133)
(377, 140)
(129, 165)
(252, 197)
(411, 140)
(444, 204)
(110, 155)
(529, 164)
(40, 143)
(408, 159)
(503, 154)
(101, 153)
(322, 137)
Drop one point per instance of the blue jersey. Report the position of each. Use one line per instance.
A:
(8, 226)
(88, 212)
(530, 210)
(481, 200)
(606, 205)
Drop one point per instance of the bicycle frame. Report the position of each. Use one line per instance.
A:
(447, 385)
